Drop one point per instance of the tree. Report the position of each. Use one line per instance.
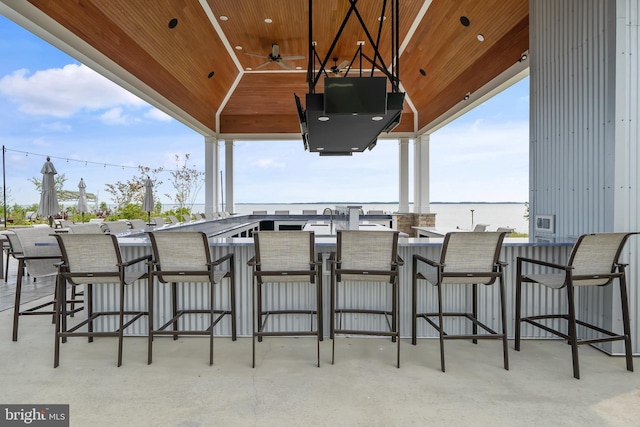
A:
(132, 190)
(58, 182)
(187, 182)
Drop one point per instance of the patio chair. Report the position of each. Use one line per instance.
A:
(173, 220)
(466, 259)
(115, 227)
(158, 221)
(281, 212)
(365, 258)
(259, 212)
(137, 225)
(375, 212)
(89, 260)
(86, 228)
(309, 212)
(184, 258)
(186, 217)
(480, 227)
(39, 261)
(285, 264)
(593, 262)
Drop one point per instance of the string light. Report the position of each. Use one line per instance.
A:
(86, 162)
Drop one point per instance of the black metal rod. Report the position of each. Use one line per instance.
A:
(4, 186)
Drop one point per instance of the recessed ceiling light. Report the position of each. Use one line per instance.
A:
(298, 68)
(354, 114)
(238, 47)
(268, 20)
(383, 18)
(423, 72)
(211, 74)
(224, 18)
(173, 23)
(323, 118)
(248, 68)
(480, 37)
(376, 118)
(320, 148)
(465, 21)
(355, 148)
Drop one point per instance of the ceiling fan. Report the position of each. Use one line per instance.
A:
(337, 69)
(274, 56)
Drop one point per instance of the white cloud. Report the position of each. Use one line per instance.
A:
(114, 116)
(156, 114)
(268, 163)
(56, 127)
(61, 92)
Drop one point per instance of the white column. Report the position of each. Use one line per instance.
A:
(421, 175)
(211, 174)
(229, 203)
(403, 206)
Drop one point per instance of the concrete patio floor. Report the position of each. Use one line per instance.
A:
(363, 388)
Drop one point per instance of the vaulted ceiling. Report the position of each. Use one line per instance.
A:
(196, 59)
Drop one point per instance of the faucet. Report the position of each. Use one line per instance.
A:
(324, 212)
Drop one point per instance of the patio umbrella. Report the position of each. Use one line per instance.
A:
(147, 202)
(48, 206)
(83, 206)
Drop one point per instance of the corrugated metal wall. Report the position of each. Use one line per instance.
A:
(584, 161)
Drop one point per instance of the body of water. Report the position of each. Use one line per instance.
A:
(450, 215)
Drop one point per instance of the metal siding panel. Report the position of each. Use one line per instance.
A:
(584, 61)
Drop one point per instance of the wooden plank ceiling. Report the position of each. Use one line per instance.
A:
(202, 65)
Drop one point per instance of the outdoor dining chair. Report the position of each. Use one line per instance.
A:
(95, 260)
(158, 221)
(137, 225)
(115, 227)
(365, 258)
(593, 262)
(467, 258)
(173, 220)
(39, 258)
(184, 258)
(186, 217)
(86, 228)
(285, 265)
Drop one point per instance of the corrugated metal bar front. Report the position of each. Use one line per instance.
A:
(536, 299)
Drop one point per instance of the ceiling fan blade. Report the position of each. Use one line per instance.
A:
(343, 64)
(262, 65)
(292, 58)
(255, 54)
(283, 65)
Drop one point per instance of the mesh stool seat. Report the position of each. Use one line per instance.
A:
(285, 264)
(466, 259)
(367, 259)
(95, 260)
(593, 262)
(184, 258)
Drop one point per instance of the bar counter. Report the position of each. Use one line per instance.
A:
(455, 297)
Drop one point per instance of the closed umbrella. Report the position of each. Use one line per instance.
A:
(48, 206)
(83, 205)
(147, 202)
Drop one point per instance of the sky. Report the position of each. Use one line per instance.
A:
(52, 105)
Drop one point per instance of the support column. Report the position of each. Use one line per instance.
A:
(229, 203)
(403, 206)
(211, 174)
(421, 175)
